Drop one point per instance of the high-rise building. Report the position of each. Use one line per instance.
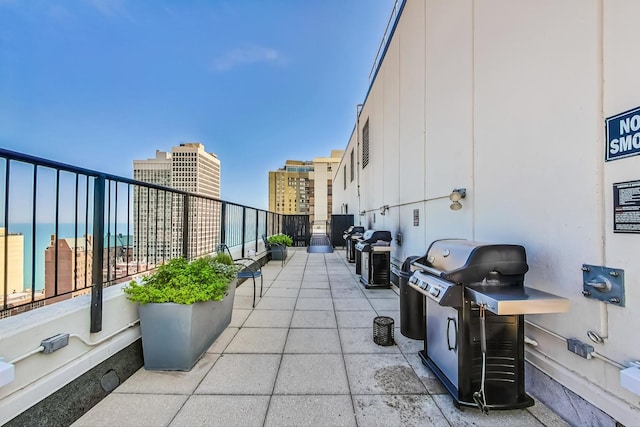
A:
(152, 208)
(158, 216)
(304, 187)
(14, 268)
(291, 188)
(324, 169)
(74, 267)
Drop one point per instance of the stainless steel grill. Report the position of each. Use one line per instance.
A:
(475, 306)
(373, 258)
(351, 233)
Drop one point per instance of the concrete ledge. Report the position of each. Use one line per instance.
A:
(74, 399)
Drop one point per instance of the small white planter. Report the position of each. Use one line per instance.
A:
(175, 336)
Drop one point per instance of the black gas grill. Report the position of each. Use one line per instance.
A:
(475, 306)
(351, 233)
(373, 258)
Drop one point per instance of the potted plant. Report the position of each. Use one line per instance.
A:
(278, 246)
(183, 306)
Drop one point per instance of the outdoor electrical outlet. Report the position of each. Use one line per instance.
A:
(54, 343)
(580, 348)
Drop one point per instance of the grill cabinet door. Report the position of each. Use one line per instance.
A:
(442, 339)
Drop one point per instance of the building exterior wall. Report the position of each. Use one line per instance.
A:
(325, 168)
(291, 189)
(508, 100)
(305, 188)
(73, 271)
(148, 205)
(14, 272)
(187, 168)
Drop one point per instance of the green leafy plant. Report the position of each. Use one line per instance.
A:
(280, 238)
(183, 282)
(223, 258)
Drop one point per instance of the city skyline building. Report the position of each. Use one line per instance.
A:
(291, 188)
(12, 272)
(74, 267)
(324, 170)
(158, 215)
(304, 187)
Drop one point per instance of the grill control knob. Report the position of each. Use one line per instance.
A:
(434, 291)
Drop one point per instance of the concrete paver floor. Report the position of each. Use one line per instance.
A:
(303, 357)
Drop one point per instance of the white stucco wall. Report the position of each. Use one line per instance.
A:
(508, 99)
(40, 375)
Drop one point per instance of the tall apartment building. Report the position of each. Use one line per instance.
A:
(158, 216)
(291, 188)
(324, 169)
(305, 188)
(152, 209)
(74, 268)
(15, 263)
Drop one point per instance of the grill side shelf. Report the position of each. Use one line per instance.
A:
(506, 300)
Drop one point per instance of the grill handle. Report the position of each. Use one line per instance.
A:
(455, 346)
(427, 269)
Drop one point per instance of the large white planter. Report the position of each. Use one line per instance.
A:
(175, 336)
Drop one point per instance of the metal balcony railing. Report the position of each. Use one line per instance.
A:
(67, 231)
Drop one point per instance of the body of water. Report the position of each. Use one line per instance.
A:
(42, 241)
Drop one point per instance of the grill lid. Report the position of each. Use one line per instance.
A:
(466, 261)
(372, 236)
(353, 229)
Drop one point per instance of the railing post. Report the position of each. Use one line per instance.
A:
(244, 226)
(223, 223)
(98, 253)
(257, 226)
(185, 226)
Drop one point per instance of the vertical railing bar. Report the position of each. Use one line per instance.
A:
(244, 223)
(75, 237)
(139, 232)
(147, 231)
(56, 228)
(171, 227)
(128, 226)
(155, 210)
(194, 227)
(86, 234)
(185, 226)
(98, 253)
(108, 236)
(115, 234)
(164, 225)
(223, 223)
(6, 234)
(257, 224)
(33, 233)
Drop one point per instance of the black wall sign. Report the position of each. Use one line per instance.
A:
(622, 135)
(626, 207)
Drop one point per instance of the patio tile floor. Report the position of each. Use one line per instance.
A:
(303, 357)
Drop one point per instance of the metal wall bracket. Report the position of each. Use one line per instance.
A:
(603, 283)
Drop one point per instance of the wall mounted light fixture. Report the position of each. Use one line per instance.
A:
(456, 195)
(363, 213)
(384, 209)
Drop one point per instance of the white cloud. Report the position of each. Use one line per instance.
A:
(248, 55)
(110, 8)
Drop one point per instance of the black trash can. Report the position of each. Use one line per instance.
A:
(412, 316)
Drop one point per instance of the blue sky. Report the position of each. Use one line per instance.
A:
(99, 83)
